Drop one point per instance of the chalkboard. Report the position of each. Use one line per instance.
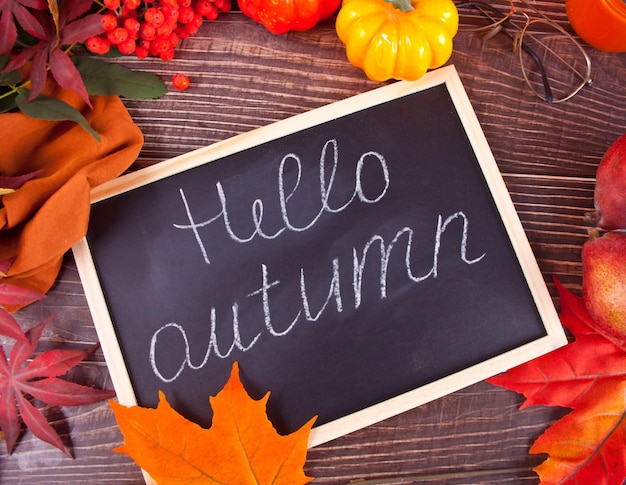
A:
(357, 260)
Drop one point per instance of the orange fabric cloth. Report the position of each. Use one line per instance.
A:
(41, 220)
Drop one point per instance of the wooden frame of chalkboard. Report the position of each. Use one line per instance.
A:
(357, 260)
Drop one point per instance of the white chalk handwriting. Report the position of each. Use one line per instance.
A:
(326, 187)
(335, 295)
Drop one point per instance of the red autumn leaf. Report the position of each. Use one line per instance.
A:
(16, 182)
(13, 295)
(588, 376)
(39, 378)
(48, 51)
(587, 445)
(9, 326)
(18, 10)
(16, 295)
(240, 447)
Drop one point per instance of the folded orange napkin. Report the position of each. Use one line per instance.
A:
(43, 218)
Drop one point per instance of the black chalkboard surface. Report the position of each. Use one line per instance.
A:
(357, 261)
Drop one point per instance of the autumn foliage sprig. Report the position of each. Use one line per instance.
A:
(46, 33)
(23, 375)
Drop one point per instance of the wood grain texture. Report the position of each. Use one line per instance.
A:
(244, 77)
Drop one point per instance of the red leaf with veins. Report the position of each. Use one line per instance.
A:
(589, 376)
(39, 378)
(16, 9)
(13, 295)
(49, 51)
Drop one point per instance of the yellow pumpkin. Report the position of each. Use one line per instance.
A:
(397, 39)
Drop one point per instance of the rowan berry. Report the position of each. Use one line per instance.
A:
(127, 47)
(185, 15)
(159, 44)
(180, 81)
(117, 35)
(171, 13)
(184, 3)
(223, 5)
(147, 31)
(132, 25)
(167, 55)
(127, 13)
(191, 28)
(173, 39)
(142, 52)
(112, 4)
(108, 21)
(197, 20)
(98, 45)
(181, 32)
(131, 4)
(143, 43)
(154, 16)
(164, 31)
(206, 9)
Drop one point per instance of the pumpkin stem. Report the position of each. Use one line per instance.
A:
(402, 5)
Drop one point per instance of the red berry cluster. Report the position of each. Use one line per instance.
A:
(152, 27)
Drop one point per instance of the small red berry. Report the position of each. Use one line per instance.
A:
(206, 9)
(180, 81)
(132, 25)
(117, 35)
(185, 15)
(181, 32)
(167, 55)
(158, 45)
(171, 13)
(112, 4)
(142, 52)
(147, 31)
(154, 16)
(127, 47)
(129, 13)
(164, 31)
(191, 28)
(223, 5)
(98, 45)
(132, 4)
(197, 20)
(108, 21)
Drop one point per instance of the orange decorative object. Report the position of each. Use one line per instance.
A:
(40, 221)
(601, 23)
(240, 447)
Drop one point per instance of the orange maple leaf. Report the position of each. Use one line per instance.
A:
(240, 447)
(588, 445)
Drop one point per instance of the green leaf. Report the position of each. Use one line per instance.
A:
(8, 103)
(8, 78)
(107, 79)
(51, 109)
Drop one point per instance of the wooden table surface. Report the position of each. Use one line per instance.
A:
(243, 77)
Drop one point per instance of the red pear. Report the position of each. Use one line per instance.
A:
(604, 282)
(610, 191)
